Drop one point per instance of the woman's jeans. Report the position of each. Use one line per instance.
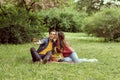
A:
(74, 58)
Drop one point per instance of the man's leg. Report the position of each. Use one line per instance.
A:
(35, 55)
(47, 57)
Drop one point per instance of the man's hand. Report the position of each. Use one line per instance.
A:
(36, 41)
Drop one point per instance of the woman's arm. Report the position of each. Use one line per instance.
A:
(58, 50)
(67, 48)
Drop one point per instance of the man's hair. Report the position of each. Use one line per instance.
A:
(51, 30)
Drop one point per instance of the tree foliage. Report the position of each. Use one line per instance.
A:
(18, 25)
(89, 6)
(37, 4)
(105, 23)
(21, 20)
(67, 19)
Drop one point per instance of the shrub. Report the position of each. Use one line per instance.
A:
(105, 23)
(18, 25)
(90, 6)
(67, 19)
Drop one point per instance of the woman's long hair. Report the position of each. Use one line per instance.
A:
(61, 38)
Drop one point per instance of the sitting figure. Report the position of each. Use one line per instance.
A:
(46, 48)
(68, 53)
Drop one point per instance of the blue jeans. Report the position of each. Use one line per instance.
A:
(74, 58)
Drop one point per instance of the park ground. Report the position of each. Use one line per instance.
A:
(16, 64)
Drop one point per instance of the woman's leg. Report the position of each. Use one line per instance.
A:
(67, 59)
(87, 60)
(74, 57)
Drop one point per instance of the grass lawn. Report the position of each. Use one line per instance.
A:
(16, 64)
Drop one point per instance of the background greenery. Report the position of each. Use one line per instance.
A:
(104, 23)
(16, 63)
(22, 20)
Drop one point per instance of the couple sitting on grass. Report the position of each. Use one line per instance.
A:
(46, 51)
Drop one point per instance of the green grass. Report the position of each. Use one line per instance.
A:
(16, 64)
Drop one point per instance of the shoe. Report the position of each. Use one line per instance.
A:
(45, 61)
(60, 60)
(93, 60)
(40, 61)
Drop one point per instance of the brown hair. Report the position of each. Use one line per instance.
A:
(51, 30)
(61, 40)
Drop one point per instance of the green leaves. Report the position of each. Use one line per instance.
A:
(17, 25)
(104, 24)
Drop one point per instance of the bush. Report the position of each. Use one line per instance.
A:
(105, 23)
(67, 19)
(18, 25)
(90, 6)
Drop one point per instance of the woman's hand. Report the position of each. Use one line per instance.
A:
(59, 50)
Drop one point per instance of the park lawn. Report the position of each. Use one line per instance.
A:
(16, 64)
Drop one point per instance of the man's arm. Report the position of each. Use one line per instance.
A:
(38, 42)
(35, 41)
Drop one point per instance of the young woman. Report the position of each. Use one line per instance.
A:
(68, 53)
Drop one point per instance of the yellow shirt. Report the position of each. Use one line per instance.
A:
(48, 48)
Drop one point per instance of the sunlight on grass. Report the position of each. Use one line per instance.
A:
(82, 37)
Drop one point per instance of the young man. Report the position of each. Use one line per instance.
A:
(45, 49)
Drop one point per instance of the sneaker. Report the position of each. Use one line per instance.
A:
(45, 61)
(92, 60)
(60, 60)
(40, 60)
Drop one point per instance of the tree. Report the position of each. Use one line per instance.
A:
(18, 24)
(89, 5)
(39, 4)
(105, 23)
